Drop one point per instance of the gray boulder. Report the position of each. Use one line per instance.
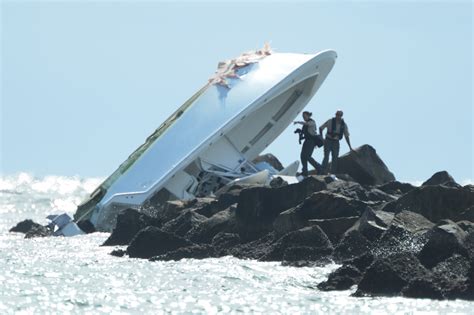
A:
(204, 231)
(186, 221)
(365, 166)
(441, 178)
(434, 202)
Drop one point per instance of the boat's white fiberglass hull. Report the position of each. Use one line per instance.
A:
(210, 140)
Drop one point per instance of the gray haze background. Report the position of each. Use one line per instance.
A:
(84, 83)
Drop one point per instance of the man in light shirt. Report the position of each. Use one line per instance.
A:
(336, 129)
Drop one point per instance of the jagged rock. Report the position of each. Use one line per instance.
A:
(406, 233)
(151, 241)
(372, 224)
(259, 206)
(195, 251)
(441, 178)
(311, 236)
(118, 253)
(365, 166)
(166, 211)
(357, 191)
(451, 276)
(396, 188)
(25, 226)
(186, 221)
(352, 245)
(444, 241)
(289, 220)
(224, 242)
(434, 202)
(336, 227)
(387, 276)
(342, 278)
(270, 159)
(306, 256)
(223, 221)
(329, 205)
(129, 223)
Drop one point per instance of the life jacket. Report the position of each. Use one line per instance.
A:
(333, 132)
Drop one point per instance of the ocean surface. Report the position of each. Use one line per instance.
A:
(58, 275)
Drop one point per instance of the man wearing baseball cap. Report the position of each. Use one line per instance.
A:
(336, 129)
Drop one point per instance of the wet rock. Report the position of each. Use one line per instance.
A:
(372, 224)
(396, 188)
(387, 276)
(270, 159)
(86, 226)
(434, 202)
(444, 241)
(441, 178)
(186, 221)
(151, 241)
(451, 275)
(255, 249)
(198, 251)
(39, 231)
(342, 278)
(259, 206)
(405, 234)
(306, 256)
(166, 211)
(422, 289)
(365, 166)
(224, 242)
(352, 245)
(223, 221)
(466, 226)
(311, 236)
(361, 262)
(336, 227)
(129, 223)
(118, 253)
(25, 226)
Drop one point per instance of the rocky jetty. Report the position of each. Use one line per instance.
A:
(390, 238)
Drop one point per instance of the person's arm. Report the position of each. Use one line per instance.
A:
(346, 135)
(325, 125)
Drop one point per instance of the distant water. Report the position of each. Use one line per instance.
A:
(74, 275)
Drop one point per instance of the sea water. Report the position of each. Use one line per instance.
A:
(57, 275)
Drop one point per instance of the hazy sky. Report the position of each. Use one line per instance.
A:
(84, 83)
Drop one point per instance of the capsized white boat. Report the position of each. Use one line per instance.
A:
(211, 139)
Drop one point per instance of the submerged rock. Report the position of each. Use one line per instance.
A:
(32, 229)
(342, 278)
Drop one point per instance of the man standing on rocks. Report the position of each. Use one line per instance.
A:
(309, 132)
(336, 129)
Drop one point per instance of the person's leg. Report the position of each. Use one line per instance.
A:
(304, 158)
(326, 156)
(335, 156)
(312, 161)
